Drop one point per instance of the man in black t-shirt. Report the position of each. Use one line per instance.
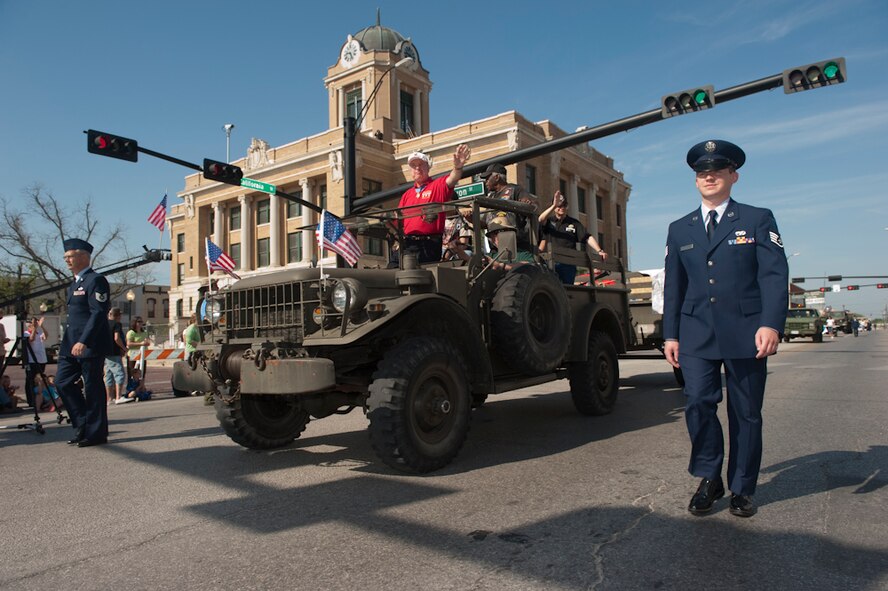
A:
(115, 373)
(565, 231)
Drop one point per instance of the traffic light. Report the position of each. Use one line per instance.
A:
(881, 285)
(834, 278)
(222, 172)
(693, 99)
(853, 287)
(798, 279)
(824, 289)
(814, 75)
(105, 144)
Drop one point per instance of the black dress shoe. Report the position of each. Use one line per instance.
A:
(742, 505)
(91, 442)
(75, 441)
(709, 491)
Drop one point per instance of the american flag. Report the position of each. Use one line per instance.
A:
(217, 260)
(332, 234)
(159, 215)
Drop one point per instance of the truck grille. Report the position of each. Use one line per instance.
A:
(276, 312)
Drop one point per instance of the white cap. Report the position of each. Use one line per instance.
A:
(419, 156)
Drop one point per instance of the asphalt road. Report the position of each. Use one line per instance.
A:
(539, 497)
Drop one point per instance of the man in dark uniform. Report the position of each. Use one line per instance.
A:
(725, 304)
(86, 341)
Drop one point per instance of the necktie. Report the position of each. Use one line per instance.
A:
(710, 227)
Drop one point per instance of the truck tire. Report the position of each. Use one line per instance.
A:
(419, 405)
(530, 317)
(177, 392)
(262, 422)
(594, 383)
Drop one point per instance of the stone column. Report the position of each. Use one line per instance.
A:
(573, 208)
(248, 224)
(308, 219)
(364, 124)
(218, 212)
(274, 242)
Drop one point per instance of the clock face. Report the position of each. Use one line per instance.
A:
(351, 51)
(409, 51)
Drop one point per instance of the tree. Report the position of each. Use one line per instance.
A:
(32, 233)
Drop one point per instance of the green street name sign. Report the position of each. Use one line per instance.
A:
(258, 185)
(469, 190)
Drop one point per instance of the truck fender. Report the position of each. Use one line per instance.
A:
(599, 317)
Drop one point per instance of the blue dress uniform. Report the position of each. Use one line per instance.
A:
(87, 323)
(718, 292)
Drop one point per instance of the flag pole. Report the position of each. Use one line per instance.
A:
(320, 239)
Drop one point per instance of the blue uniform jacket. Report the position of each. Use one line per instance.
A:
(718, 294)
(88, 304)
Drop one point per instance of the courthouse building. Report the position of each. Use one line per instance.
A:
(264, 233)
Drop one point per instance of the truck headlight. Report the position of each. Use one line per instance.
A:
(350, 290)
(213, 312)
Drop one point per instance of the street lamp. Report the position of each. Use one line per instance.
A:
(228, 127)
(130, 298)
(350, 126)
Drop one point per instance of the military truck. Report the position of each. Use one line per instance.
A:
(415, 348)
(801, 323)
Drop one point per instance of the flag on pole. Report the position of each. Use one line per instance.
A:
(159, 215)
(217, 260)
(333, 235)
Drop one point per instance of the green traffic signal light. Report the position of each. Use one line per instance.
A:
(814, 75)
(685, 101)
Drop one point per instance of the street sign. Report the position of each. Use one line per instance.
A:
(837, 287)
(469, 190)
(814, 302)
(258, 185)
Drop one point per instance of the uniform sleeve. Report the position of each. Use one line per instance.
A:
(99, 304)
(674, 288)
(773, 273)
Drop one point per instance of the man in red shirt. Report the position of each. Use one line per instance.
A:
(423, 231)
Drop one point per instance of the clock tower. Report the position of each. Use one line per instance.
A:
(400, 109)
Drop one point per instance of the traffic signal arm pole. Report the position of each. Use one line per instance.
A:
(607, 129)
(172, 159)
(302, 202)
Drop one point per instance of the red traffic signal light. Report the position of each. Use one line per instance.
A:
(824, 289)
(693, 99)
(853, 287)
(814, 75)
(115, 146)
(222, 172)
(881, 285)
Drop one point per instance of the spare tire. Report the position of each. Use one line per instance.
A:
(530, 318)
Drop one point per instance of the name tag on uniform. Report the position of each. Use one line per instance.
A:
(687, 247)
(79, 291)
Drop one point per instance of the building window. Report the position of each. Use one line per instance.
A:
(212, 219)
(152, 307)
(180, 273)
(598, 208)
(407, 112)
(180, 242)
(530, 178)
(294, 247)
(234, 218)
(369, 186)
(620, 247)
(166, 308)
(601, 240)
(235, 252)
(262, 253)
(619, 214)
(294, 208)
(353, 102)
(263, 212)
(322, 196)
(179, 304)
(581, 199)
(373, 246)
(562, 186)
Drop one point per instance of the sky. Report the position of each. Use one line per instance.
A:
(171, 74)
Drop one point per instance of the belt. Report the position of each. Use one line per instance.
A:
(423, 237)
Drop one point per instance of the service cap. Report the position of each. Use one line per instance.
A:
(493, 169)
(715, 155)
(422, 156)
(77, 244)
